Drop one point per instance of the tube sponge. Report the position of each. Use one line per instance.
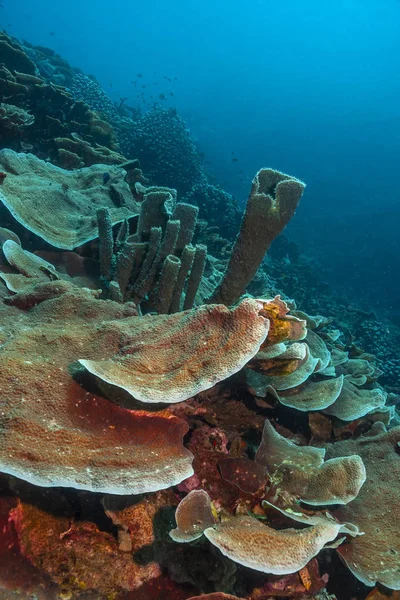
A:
(187, 258)
(273, 200)
(166, 284)
(139, 289)
(187, 215)
(167, 246)
(196, 274)
(106, 243)
(129, 260)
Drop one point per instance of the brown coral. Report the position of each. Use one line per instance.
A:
(56, 433)
(174, 357)
(374, 556)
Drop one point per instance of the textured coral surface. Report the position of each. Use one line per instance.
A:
(239, 449)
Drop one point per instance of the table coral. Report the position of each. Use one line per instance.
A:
(68, 200)
(353, 402)
(304, 377)
(301, 473)
(314, 395)
(32, 80)
(196, 503)
(69, 317)
(253, 544)
(246, 540)
(14, 120)
(374, 556)
(54, 433)
(174, 357)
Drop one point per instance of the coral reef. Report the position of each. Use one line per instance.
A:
(90, 353)
(375, 555)
(172, 426)
(166, 150)
(213, 201)
(149, 355)
(68, 200)
(41, 115)
(63, 435)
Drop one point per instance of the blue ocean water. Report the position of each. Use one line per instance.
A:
(310, 88)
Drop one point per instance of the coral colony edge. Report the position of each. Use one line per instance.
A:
(173, 423)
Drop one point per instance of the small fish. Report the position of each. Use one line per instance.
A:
(2, 177)
(235, 159)
(162, 96)
(52, 33)
(139, 75)
(106, 177)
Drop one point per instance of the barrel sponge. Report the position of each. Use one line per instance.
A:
(187, 215)
(166, 247)
(156, 209)
(128, 262)
(140, 285)
(273, 200)
(187, 258)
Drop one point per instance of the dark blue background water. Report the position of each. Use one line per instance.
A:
(311, 88)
